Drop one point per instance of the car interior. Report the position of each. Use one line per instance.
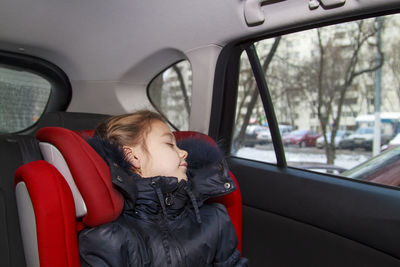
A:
(211, 69)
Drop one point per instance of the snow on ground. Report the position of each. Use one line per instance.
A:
(345, 160)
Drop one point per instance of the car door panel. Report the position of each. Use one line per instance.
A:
(308, 219)
(275, 240)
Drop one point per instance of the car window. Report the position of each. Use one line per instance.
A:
(23, 98)
(170, 92)
(324, 81)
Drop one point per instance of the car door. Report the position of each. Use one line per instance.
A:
(294, 216)
(310, 137)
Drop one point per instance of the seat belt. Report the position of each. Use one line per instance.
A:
(28, 146)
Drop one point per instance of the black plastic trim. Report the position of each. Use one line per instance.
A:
(224, 93)
(268, 105)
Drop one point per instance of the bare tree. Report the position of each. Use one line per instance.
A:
(393, 63)
(339, 63)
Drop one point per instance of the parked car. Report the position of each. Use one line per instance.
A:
(340, 136)
(383, 168)
(362, 138)
(252, 131)
(302, 138)
(368, 143)
(265, 136)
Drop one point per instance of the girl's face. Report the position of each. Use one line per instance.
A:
(162, 158)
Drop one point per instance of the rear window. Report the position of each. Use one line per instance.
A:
(28, 87)
(170, 93)
(23, 98)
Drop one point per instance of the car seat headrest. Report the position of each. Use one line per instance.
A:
(90, 173)
(179, 135)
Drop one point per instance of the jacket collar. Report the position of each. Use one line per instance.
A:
(161, 195)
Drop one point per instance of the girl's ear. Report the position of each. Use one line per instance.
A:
(131, 156)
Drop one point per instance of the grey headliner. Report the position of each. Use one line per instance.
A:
(115, 36)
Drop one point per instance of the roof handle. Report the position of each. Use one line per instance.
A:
(326, 4)
(253, 14)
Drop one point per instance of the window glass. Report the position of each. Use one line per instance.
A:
(23, 98)
(171, 94)
(336, 97)
(251, 132)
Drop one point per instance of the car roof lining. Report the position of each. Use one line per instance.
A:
(145, 26)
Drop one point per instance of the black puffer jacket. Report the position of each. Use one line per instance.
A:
(166, 223)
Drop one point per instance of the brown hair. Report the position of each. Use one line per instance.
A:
(128, 129)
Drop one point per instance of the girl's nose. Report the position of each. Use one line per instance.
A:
(183, 153)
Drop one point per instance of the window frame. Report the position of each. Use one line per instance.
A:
(226, 89)
(61, 90)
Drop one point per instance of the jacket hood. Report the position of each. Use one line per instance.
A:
(109, 152)
(207, 169)
(201, 152)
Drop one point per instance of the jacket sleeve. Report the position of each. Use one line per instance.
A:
(227, 253)
(111, 245)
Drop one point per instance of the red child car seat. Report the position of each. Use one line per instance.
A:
(47, 216)
(54, 203)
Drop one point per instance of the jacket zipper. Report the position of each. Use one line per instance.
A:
(178, 250)
(165, 242)
(172, 243)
